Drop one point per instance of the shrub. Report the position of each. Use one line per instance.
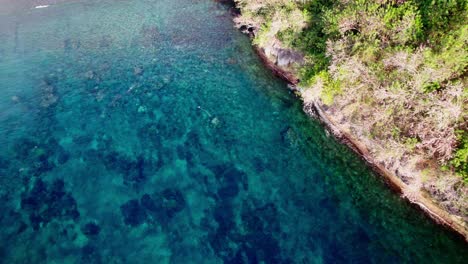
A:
(330, 88)
(431, 87)
(460, 160)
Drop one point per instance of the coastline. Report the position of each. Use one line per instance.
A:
(315, 110)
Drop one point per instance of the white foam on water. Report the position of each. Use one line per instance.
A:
(41, 6)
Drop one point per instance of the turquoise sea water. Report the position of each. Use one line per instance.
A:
(149, 132)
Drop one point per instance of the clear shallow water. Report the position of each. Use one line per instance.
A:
(149, 132)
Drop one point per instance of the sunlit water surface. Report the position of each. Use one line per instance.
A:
(149, 132)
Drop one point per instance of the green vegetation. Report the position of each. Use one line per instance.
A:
(331, 88)
(394, 70)
(460, 160)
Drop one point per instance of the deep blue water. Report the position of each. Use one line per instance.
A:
(149, 132)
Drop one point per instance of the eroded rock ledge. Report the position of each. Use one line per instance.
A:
(421, 201)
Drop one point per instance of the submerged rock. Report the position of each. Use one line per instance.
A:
(23, 147)
(91, 229)
(48, 100)
(136, 176)
(172, 201)
(138, 70)
(149, 204)
(184, 152)
(50, 80)
(11, 221)
(261, 220)
(142, 109)
(290, 137)
(150, 132)
(90, 75)
(84, 139)
(39, 157)
(90, 254)
(45, 203)
(229, 178)
(57, 190)
(255, 244)
(133, 213)
(215, 122)
(259, 164)
(63, 157)
(4, 164)
(49, 95)
(15, 99)
(162, 207)
(133, 171)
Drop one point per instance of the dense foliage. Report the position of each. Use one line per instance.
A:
(461, 156)
(395, 67)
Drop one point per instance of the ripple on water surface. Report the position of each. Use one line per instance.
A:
(149, 132)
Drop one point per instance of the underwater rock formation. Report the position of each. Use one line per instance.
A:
(132, 171)
(229, 178)
(133, 213)
(45, 203)
(90, 254)
(160, 207)
(91, 229)
(39, 157)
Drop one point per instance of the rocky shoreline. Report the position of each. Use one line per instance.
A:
(426, 204)
(315, 109)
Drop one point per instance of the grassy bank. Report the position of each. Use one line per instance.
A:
(390, 72)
